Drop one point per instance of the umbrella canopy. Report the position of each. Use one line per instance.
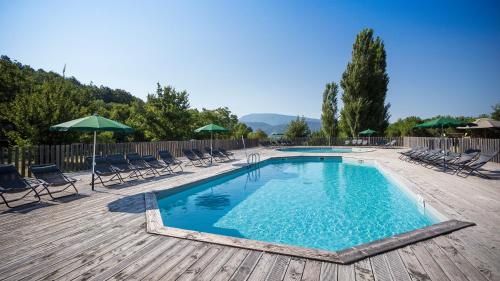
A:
(211, 128)
(367, 132)
(442, 122)
(93, 123)
(482, 123)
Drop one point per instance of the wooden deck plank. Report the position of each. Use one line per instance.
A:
(346, 272)
(444, 262)
(328, 271)
(243, 272)
(217, 263)
(278, 269)
(200, 264)
(184, 264)
(472, 273)
(263, 267)
(381, 269)
(413, 266)
(431, 267)
(167, 262)
(294, 270)
(312, 271)
(363, 270)
(231, 265)
(396, 266)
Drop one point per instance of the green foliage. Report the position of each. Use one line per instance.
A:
(241, 130)
(329, 123)
(297, 128)
(496, 112)
(31, 101)
(402, 127)
(365, 87)
(258, 134)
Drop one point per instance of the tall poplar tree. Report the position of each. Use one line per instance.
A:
(365, 87)
(329, 109)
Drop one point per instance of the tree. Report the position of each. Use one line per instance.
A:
(365, 83)
(241, 130)
(402, 127)
(496, 112)
(329, 124)
(166, 115)
(297, 128)
(258, 134)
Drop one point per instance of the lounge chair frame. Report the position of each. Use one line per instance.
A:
(42, 173)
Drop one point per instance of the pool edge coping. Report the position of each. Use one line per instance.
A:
(154, 225)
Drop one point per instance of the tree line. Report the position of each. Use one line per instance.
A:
(33, 100)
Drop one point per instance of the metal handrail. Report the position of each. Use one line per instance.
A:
(253, 158)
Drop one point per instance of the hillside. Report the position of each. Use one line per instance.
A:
(272, 122)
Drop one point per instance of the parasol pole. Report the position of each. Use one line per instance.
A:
(93, 160)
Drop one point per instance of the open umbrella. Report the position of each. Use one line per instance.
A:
(93, 123)
(367, 132)
(442, 122)
(211, 128)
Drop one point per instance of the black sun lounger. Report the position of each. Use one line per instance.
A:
(11, 182)
(170, 160)
(201, 155)
(216, 154)
(473, 167)
(103, 169)
(157, 165)
(50, 176)
(193, 158)
(121, 165)
(136, 161)
(229, 154)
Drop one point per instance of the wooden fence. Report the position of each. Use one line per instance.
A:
(455, 144)
(72, 157)
(342, 141)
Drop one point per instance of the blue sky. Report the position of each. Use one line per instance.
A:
(265, 56)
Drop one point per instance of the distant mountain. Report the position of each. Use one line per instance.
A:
(275, 123)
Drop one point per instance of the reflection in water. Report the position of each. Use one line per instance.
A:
(213, 201)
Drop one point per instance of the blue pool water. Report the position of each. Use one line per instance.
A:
(317, 149)
(308, 202)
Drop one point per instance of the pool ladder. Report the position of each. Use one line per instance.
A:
(253, 158)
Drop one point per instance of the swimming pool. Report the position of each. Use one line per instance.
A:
(316, 149)
(322, 203)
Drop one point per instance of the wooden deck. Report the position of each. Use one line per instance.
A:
(102, 236)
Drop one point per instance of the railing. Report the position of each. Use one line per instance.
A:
(253, 158)
(72, 157)
(455, 144)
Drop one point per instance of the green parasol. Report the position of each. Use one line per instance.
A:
(93, 123)
(367, 132)
(442, 122)
(211, 128)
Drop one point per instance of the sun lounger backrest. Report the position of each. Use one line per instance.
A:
(484, 158)
(134, 157)
(48, 173)
(10, 178)
(165, 154)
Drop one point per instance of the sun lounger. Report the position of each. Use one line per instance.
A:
(216, 154)
(121, 165)
(229, 154)
(50, 176)
(136, 161)
(464, 159)
(157, 165)
(473, 166)
(11, 182)
(365, 142)
(170, 160)
(193, 158)
(204, 157)
(347, 142)
(392, 143)
(103, 169)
